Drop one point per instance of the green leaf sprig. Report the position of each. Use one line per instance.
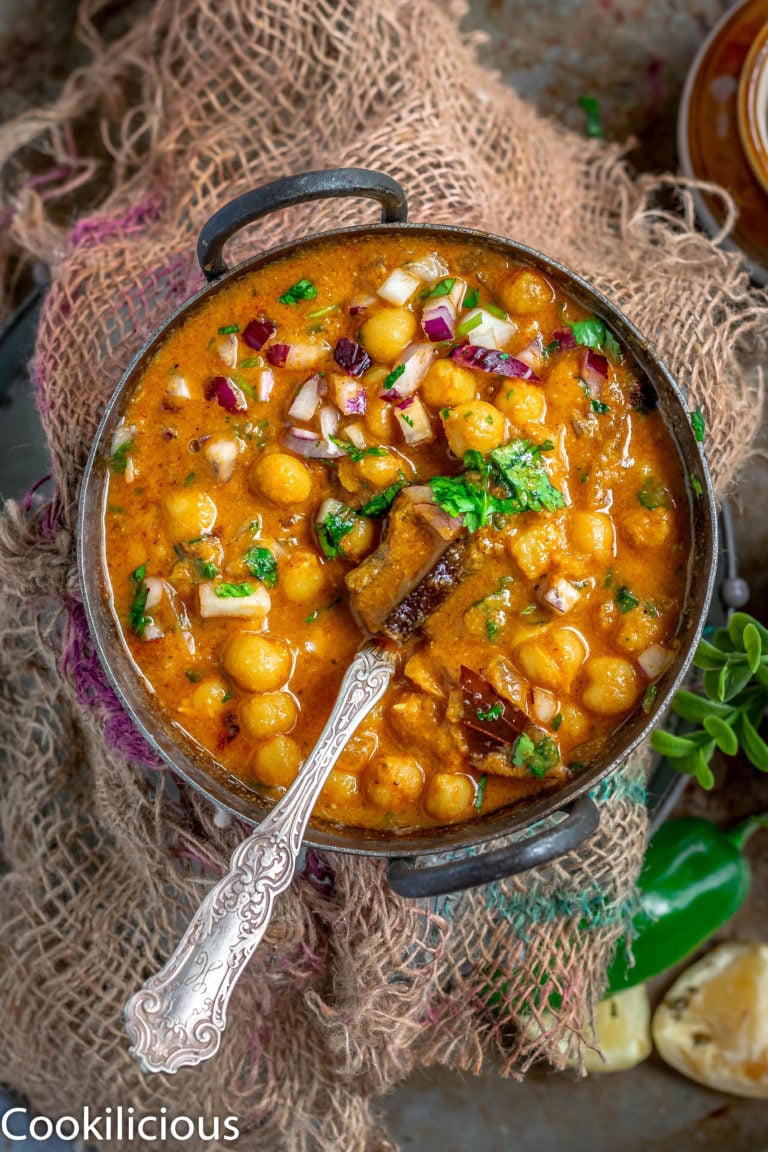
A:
(733, 704)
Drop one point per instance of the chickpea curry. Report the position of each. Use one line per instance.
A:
(413, 438)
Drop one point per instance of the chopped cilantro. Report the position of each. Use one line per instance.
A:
(584, 477)
(407, 420)
(697, 423)
(333, 529)
(460, 497)
(652, 495)
(696, 485)
(591, 110)
(234, 591)
(592, 333)
(522, 473)
(391, 379)
(115, 509)
(119, 459)
(261, 563)
(472, 298)
(445, 413)
(474, 461)
(301, 290)
(492, 629)
(609, 578)
(625, 601)
(481, 786)
(548, 349)
(442, 288)
(252, 362)
(137, 617)
(323, 311)
(577, 765)
(355, 453)
(537, 756)
(557, 721)
(228, 329)
(206, 569)
(528, 610)
(228, 695)
(312, 616)
(193, 676)
(190, 479)
(493, 712)
(651, 693)
(599, 407)
(381, 502)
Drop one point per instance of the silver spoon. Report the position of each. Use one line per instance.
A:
(178, 1017)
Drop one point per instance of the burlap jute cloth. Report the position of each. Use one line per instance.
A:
(352, 987)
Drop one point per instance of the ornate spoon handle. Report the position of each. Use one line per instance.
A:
(178, 1017)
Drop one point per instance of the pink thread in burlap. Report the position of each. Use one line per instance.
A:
(352, 987)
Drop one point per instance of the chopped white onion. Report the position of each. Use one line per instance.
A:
(655, 660)
(253, 607)
(222, 456)
(152, 631)
(329, 507)
(177, 387)
(428, 268)
(130, 471)
(544, 706)
(303, 356)
(349, 395)
(414, 422)
(492, 331)
(532, 354)
(398, 287)
(355, 433)
(559, 594)
(226, 350)
(417, 359)
(305, 442)
(360, 303)
(329, 426)
(123, 434)
(265, 382)
(155, 587)
(457, 293)
(307, 400)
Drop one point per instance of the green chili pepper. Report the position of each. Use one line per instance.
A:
(694, 878)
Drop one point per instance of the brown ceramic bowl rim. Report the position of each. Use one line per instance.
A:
(231, 794)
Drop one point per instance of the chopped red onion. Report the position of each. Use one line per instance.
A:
(594, 372)
(226, 393)
(594, 362)
(278, 354)
(439, 319)
(417, 359)
(309, 444)
(266, 382)
(307, 400)
(352, 357)
(349, 395)
(360, 303)
(532, 353)
(405, 403)
(491, 360)
(257, 332)
(565, 339)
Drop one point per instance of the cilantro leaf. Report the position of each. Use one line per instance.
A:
(481, 786)
(355, 453)
(537, 756)
(118, 461)
(301, 290)
(261, 563)
(442, 288)
(625, 600)
(522, 473)
(137, 617)
(333, 530)
(391, 379)
(493, 713)
(206, 569)
(652, 495)
(697, 423)
(472, 298)
(599, 407)
(592, 333)
(382, 501)
(461, 498)
(234, 591)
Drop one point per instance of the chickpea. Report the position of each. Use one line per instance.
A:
(552, 660)
(448, 384)
(449, 796)
(208, 697)
(522, 403)
(282, 478)
(358, 542)
(594, 533)
(269, 714)
(381, 471)
(302, 577)
(637, 630)
(533, 549)
(339, 789)
(564, 387)
(525, 292)
(392, 781)
(387, 332)
(378, 418)
(256, 663)
(188, 515)
(575, 724)
(647, 528)
(277, 762)
(475, 425)
(612, 685)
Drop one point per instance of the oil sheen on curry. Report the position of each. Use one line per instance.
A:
(411, 438)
